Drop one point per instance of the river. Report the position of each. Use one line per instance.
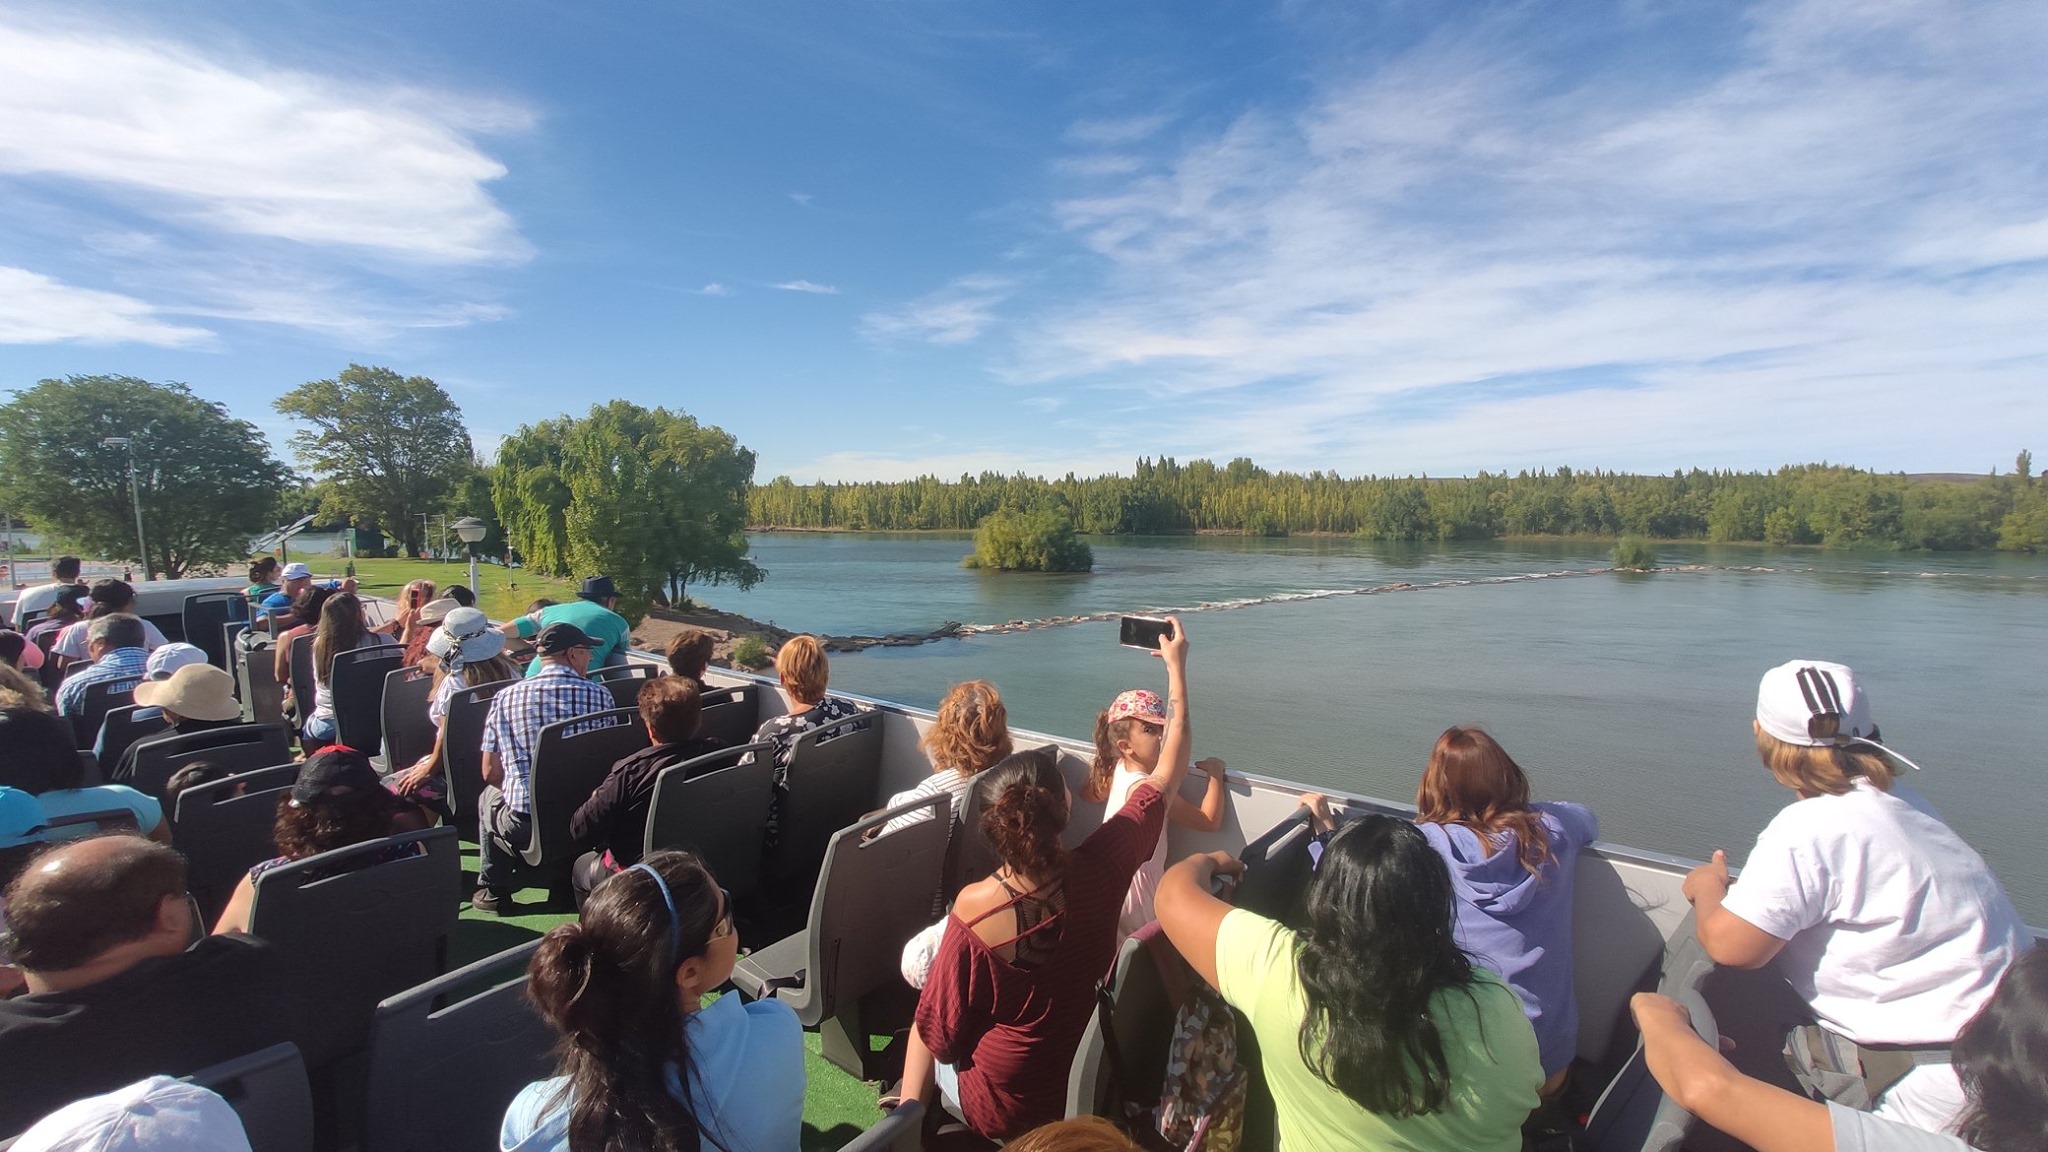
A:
(1630, 693)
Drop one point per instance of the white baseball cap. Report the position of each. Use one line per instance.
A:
(297, 571)
(154, 1115)
(173, 656)
(1818, 704)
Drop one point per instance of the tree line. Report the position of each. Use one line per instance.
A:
(1824, 504)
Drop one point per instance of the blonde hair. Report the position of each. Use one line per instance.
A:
(1830, 769)
(19, 690)
(972, 732)
(802, 667)
(1080, 1134)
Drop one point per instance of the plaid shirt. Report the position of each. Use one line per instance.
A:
(512, 730)
(129, 664)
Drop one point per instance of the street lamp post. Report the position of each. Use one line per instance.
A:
(134, 496)
(471, 531)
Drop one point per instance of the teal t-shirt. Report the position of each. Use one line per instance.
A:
(598, 622)
(1490, 1046)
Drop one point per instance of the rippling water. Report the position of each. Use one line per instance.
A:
(1630, 693)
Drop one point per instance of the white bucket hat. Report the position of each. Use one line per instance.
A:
(196, 691)
(466, 636)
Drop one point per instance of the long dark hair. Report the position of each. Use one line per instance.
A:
(607, 984)
(332, 820)
(341, 630)
(306, 608)
(1471, 780)
(1024, 811)
(1999, 1060)
(1379, 947)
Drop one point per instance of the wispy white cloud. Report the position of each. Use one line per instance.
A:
(808, 286)
(803, 198)
(250, 149)
(714, 289)
(34, 309)
(212, 185)
(1505, 248)
(857, 466)
(956, 314)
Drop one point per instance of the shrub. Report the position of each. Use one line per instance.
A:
(1040, 541)
(751, 653)
(1633, 554)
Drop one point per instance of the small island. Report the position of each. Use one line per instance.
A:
(1036, 541)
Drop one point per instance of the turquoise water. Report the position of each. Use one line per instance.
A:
(1630, 693)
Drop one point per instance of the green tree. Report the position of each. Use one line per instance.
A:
(394, 446)
(206, 481)
(648, 496)
(1041, 540)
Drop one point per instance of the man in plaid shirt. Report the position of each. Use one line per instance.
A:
(115, 644)
(557, 692)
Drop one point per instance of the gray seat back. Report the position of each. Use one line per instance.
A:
(462, 750)
(303, 687)
(99, 699)
(625, 681)
(357, 679)
(471, 1033)
(731, 715)
(408, 730)
(833, 775)
(1143, 1019)
(241, 748)
(968, 856)
(270, 1092)
(124, 726)
(570, 760)
(359, 928)
(205, 613)
(83, 824)
(262, 695)
(225, 827)
(872, 897)
(231, 642)
(718, 808)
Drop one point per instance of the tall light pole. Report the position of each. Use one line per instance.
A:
(471, 530)
(134, 495)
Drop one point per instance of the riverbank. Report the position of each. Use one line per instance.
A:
(728, 629)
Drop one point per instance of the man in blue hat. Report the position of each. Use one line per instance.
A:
(591, 613)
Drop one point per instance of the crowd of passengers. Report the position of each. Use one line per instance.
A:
(1419, 997)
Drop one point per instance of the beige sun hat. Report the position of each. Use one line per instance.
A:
(196, 691)
(435, 611)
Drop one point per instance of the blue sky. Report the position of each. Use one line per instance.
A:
(875, 239)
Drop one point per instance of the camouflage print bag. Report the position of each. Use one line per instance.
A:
(1201, 1102)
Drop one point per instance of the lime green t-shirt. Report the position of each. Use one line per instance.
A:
(1491, 1049)
(598, 622)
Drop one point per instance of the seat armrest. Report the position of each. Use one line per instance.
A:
(780, 965)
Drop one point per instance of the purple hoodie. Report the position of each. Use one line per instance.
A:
(1520, 925)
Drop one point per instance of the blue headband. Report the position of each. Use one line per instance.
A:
(675, 926)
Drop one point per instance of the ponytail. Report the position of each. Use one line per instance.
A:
(1103, 768)
(1024, 812)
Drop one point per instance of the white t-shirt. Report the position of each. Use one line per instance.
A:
(944, 780)
(1861, 1132)
(33, 602)
(71, 641)
(1145, 881)
(1896, 931)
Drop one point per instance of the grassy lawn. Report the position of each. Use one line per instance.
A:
(502, 592)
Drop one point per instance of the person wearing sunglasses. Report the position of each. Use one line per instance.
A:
(645, 1061)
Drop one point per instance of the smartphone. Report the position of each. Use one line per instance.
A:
(1143, 631)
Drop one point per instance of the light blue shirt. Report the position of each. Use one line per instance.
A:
(747, 1087)
(104, 798)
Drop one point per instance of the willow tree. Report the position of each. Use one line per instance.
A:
(648, 496)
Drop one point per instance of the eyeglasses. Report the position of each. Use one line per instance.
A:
(723, 928)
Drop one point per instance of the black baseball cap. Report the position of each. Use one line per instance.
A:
(336, 766)
(556, 639)
(598, 588)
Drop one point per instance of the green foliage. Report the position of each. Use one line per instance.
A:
(1806, 504)
(2025, 528)
(750, 652)
(206, 481)
(391, 446)
(1042, 540)
(650, 497)
(1633, 554)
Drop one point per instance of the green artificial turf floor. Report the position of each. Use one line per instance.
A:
(837, 1107)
